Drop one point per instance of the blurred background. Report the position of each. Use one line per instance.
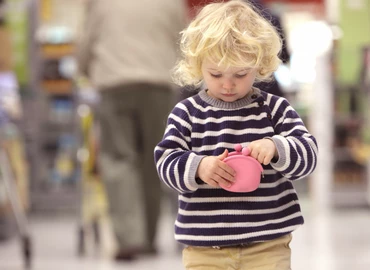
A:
(53, 207)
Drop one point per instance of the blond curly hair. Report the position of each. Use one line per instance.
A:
(230, 34)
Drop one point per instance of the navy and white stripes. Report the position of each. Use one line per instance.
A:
(200, 126)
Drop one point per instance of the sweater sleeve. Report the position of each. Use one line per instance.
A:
(297, 148)
(175, 162)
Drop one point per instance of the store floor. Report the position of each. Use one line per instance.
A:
(336, 240)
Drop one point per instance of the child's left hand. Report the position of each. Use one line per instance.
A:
(263, 150)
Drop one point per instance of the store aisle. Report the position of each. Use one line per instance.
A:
(338, 240)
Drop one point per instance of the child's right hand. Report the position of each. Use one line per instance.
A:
(213, 171)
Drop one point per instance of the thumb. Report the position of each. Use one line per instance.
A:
(223, 155)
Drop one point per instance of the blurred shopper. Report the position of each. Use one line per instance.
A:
(127, 51)
(229, 46)
(273, 86)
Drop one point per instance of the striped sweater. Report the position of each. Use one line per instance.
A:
(202, 126)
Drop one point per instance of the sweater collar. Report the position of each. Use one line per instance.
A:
(248, 99)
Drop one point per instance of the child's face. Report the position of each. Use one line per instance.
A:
(228, 84)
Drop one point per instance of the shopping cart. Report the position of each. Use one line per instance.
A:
(93, 203)
(8, 179)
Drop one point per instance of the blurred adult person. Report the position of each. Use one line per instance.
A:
(127, 51)
(273, 86)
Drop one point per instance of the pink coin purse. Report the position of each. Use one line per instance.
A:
(248, 170)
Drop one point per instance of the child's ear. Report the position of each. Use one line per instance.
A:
(260, 72)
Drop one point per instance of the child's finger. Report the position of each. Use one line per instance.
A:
(222, 181)
(227, 171)
(223, 155)
(212, 183)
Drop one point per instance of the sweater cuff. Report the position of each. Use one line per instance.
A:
(279, 162)
(192, 182)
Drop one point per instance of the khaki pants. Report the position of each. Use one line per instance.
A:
(270, 255)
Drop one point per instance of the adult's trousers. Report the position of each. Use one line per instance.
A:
(132, 121)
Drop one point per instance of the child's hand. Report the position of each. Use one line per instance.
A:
(213, 171)
(263, 150)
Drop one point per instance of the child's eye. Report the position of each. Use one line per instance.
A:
(241, 75)
(216, 75)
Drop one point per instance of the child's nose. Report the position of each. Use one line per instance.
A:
(228, 84)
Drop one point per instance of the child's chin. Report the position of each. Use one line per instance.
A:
(229, 99)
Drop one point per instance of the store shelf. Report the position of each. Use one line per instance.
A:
(55, 51)
(57, 87)
(56, 186)
(350, 195)
(351, 176)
